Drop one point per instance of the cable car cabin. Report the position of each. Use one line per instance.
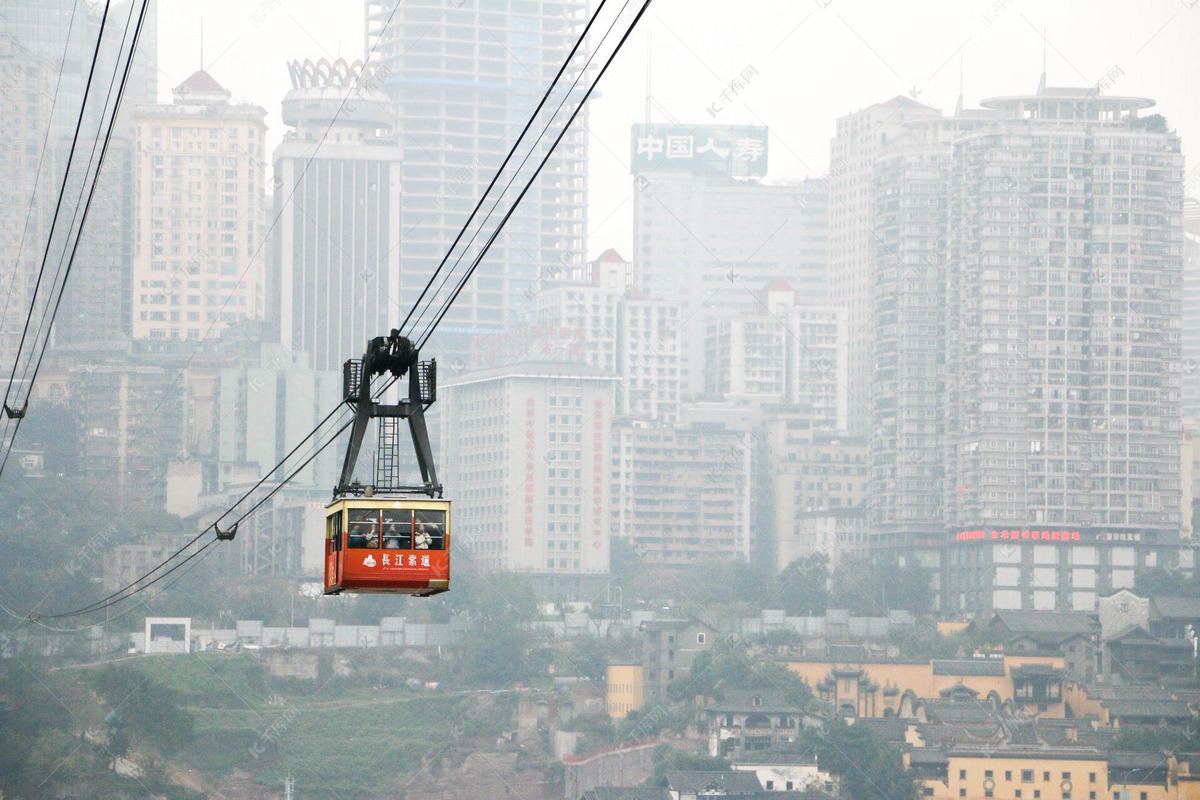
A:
(393, 545)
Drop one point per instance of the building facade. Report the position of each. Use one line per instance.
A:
(530, 469)
(708, 232)
(198, 260)
(464, 81)
(861, 139)
(336, 267)
(682, 494)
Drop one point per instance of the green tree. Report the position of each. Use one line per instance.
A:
(803, 586)
(729, 665)
(1160, 582)
(151, 712)
(873, 587)
(870, 768)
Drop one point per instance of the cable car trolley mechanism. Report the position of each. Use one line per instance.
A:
(384, 537)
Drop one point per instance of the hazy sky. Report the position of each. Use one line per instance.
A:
(815, 60)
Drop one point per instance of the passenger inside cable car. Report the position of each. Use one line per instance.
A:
(364, 528)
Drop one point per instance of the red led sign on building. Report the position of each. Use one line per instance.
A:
(1024, 535)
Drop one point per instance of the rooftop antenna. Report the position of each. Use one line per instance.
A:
(649, 60)
(1042, 82)
(201, 42)
(958, 109)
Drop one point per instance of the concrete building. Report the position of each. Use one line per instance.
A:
(25, 103)
(862, 138)
(621, 331)
(1062, 402)
(708, 232)
(531, 469)
(200, 217)
(464, 80)
(780, 352)
(682, 494)
(819, 489)
(1190, 347)
(588, 305)
(1062, 387)
(133, 426)
(336, 265)
(624, 687)
(669, 649)
(648, 361)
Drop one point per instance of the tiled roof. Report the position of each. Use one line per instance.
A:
(1045, 622)
(969, 666)
(743, 782)
(201, 81)
(1177, 607)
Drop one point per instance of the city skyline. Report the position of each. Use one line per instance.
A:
(792, 46)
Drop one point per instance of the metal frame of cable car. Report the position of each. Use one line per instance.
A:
(393, 354)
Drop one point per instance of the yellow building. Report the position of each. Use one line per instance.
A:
(877, 689)
(624, 690)
(200, 215)
(1049, 773)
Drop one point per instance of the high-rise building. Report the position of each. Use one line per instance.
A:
(709, 233)
(96, 299)
(819, 484)
(531, 468)
(682, 494)
(1026, 337)
(1066, 261)
(336, 265)
(862, 138)
(781, 352)
(622, 331)
(464, 80)
(26, 83)
(1190, 367)
(200, 216)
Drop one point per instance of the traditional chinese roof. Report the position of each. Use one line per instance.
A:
(742, 701)
(728, 782)
(1044, 627)
(779, 285)
(951, 711)
(1144, 708)
(1133, 635)
(637, 793)
(959, 690)
(1183, 608)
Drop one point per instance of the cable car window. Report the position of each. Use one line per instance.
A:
(397, 529)
(335, 531)
(364, 527)
(430, 527)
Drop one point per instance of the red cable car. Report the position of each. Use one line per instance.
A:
(387, 545)
(382, 537)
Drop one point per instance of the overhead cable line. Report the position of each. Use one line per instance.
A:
(282, 207)
(500, 170)
(214, 527)
(12, 283)
(62, 190)
(516, 203)
(52, 308)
